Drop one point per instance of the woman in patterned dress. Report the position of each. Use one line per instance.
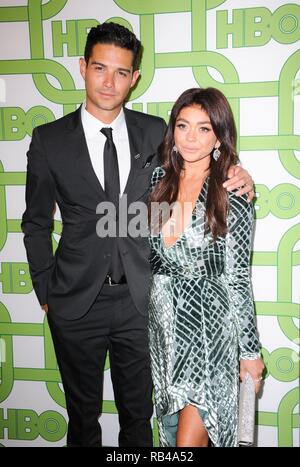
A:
(202, 330)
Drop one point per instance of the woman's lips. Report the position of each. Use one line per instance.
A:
(190, 149)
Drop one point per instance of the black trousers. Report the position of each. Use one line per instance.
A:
(112, 324)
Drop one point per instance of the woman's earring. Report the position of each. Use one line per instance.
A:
(216, 154)
(175, 149)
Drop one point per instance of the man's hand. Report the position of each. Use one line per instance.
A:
(239, 179)
(45, 308)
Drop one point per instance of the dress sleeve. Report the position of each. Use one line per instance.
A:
(157, 175)
(237, 274)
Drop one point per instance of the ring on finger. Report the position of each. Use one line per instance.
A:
(258, 380)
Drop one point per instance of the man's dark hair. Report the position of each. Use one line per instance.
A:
(113, 33)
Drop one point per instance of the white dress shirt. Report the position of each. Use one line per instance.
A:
(96, 141)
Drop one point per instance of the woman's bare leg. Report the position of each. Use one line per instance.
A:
(191, 431)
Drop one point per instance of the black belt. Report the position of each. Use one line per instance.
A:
(108, 280)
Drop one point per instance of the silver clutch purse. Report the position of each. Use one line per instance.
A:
(246, 412)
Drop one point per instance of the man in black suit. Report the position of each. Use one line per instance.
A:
(95, 289)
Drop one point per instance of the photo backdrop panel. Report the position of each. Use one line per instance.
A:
(252, 55)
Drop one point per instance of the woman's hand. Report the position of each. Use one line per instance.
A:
(255, 368)
(240, 179)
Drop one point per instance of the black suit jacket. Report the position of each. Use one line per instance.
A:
(60, 171)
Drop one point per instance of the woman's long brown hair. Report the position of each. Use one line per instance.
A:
(215, 104)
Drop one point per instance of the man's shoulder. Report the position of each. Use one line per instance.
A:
(143, 118)
(58, 125)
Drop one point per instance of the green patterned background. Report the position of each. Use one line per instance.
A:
(252, 55)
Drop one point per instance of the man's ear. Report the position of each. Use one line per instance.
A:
(82, 67)
(135, 77)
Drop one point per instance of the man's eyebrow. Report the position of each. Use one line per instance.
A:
(97, 63)
(105, 66)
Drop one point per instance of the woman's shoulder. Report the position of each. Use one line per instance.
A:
(157, 174)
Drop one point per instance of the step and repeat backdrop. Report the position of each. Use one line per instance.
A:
(252, 55)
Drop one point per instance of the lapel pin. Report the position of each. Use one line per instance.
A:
(137, 156)
(148, 161)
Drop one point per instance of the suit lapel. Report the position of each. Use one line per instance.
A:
(82, 157)
(138, 179)
(135, 137)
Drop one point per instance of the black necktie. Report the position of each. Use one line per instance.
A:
(111, 168)
(112, 190)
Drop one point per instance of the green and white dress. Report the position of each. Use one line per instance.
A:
(201, 321)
